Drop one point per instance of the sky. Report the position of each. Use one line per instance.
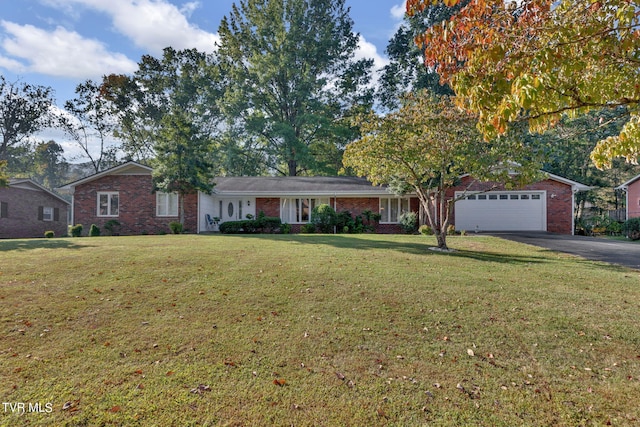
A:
(61, 43)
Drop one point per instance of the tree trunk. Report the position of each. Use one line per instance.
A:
(293, 167)
(441, 238)
(181, 208)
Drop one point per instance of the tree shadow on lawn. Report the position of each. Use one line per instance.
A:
(31, 244)
(347, 242)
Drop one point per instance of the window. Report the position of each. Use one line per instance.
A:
(108, 204)
(47, 214)
(166, 204)
(513, 197)
(299, 210)
(493, 197)
(482, 197)
(4, 210)
(535, 197)
(504, 196)
(392, 208)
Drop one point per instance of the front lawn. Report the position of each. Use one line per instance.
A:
(312, 330)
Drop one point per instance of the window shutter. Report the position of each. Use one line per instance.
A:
(56, 214)
(4, 210)
(40, 213)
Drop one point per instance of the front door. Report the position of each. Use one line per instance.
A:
(230, 210)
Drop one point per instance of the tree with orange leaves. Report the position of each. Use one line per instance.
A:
(536, 60)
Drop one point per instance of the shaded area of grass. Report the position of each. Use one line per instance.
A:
(315, 330)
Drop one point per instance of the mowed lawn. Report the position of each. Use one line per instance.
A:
(314, 330)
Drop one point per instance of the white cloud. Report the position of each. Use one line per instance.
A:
(152, 24)
(398, 11)
(369, 50)
(58, 53)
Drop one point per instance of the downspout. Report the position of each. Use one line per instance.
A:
(573, 210)
(335, 208)
(198, 212)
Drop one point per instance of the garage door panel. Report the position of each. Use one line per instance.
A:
(513, 211)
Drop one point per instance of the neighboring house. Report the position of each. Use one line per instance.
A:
(28, 209)
(632, 189)
(125, 193)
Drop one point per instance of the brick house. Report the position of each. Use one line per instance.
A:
(125, 193)
(293, 198)
(632, 190)
(28, 209)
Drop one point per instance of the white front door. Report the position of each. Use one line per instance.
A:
(230, 210)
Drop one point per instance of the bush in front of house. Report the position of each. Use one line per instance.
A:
(425, 230)
(323, 217)
(75, 230)
(631, 228)
(408, 222)
(49, 234)
(261, 224)
(94, 230)
(175, 227)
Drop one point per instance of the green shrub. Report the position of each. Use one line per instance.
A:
(285, 229)
(94, 230)
(308, 228)
(75, 230)
(323, 217)
(345, 222)
(425, 230)
(111, 227)
(262, 224)
(408, 222)
(49, 234)
(632, 228)
(451, 230)
(175, 227)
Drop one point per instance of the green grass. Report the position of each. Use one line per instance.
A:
(314, 330)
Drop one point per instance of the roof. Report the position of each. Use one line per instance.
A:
(129, 168)
(32, 185)
(625, 185)
(574, 184)
(297, 185)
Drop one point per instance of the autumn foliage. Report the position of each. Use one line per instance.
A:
(536, 60)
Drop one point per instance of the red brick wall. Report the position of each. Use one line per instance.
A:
(137, 210)
(22, 220)
(559, 201)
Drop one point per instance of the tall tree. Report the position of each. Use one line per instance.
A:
(406, 70)
(534, 60)
(182, 166)
(183, 80)
(90, 123)
(426, 146)
(49, 165)
(24, 110)
(4, 176)
(291, 75)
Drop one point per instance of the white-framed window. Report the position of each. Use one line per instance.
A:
(108, 203)
(392, 207)
(166, 204)
(47, 213)
(298, 210)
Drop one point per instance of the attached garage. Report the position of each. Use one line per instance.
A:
(502, 211)
(546, 205)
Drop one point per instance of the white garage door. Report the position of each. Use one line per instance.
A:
(502, 211)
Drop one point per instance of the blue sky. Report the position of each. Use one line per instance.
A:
(60, 43)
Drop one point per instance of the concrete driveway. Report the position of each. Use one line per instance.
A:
(593, 248)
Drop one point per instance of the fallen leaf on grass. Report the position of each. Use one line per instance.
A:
(114, 409)
(279, 382)
(170, 373)
(200, 389)
(470, 352)
(340, 376)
